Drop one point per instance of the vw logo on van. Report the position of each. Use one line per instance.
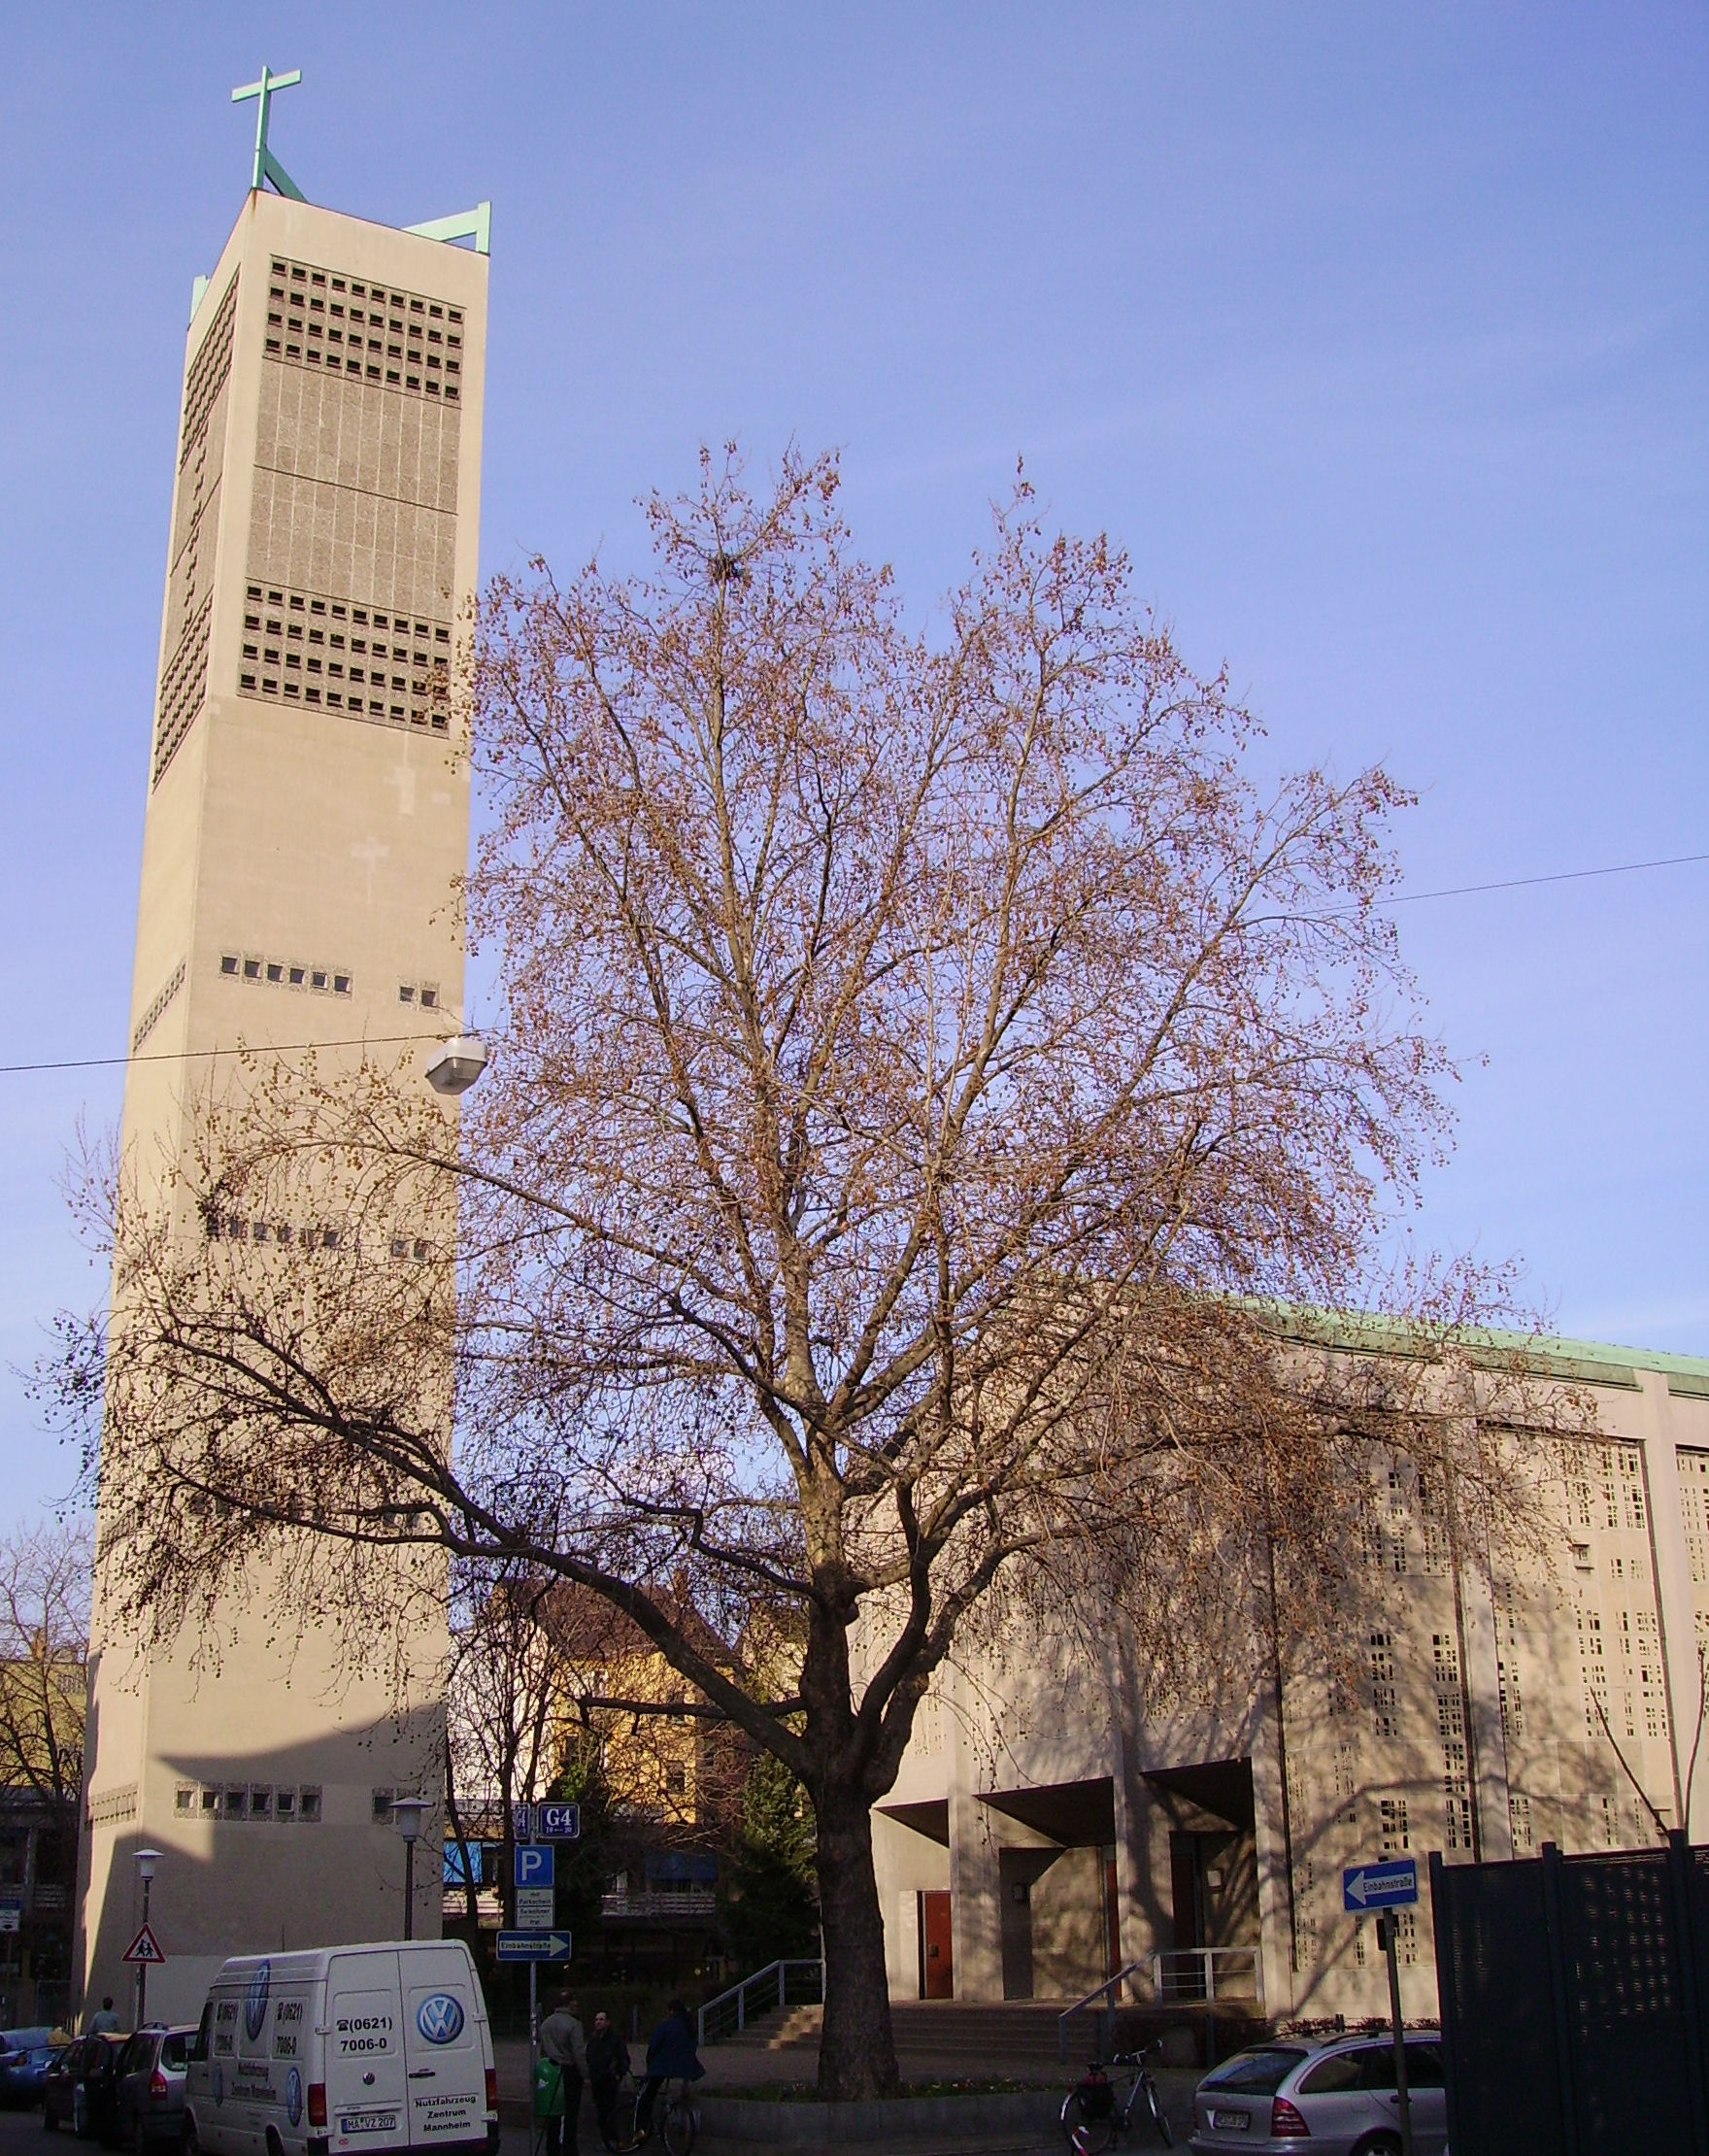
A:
(255, 2000)
(440, 2017)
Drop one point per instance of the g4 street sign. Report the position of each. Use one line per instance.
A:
(547, 1823)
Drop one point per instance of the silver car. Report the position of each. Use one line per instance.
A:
(1322, 2098)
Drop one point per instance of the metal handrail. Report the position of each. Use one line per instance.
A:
(780, 1970)
(1169, 1987)
(1189, 1972)
(1106, 2019)
(655, 1902)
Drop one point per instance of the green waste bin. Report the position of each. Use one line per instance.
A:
(548, 2089)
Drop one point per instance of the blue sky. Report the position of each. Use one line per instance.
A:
(1376, 334)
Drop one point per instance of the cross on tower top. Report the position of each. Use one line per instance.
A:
(267, 165)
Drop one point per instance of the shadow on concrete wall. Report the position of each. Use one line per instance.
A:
(240, 1874)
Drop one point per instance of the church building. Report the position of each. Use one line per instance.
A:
(306, 823)
(1048, 1834)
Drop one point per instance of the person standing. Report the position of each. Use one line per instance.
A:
(562, 2041)
(608, 2061)
(103, 2022)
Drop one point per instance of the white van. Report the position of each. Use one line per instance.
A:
(345, 2051)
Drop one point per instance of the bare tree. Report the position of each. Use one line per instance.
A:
(504, 1700)
(928, 1060)
(43, 1669)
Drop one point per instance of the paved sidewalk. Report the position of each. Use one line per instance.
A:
(731, 2071)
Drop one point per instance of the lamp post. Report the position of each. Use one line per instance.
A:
(453, 1068)
(146, 1860)
(409, 1813)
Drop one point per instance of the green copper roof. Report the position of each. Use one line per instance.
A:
(1588, 1361)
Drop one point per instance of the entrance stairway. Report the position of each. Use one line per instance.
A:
(936, 2039)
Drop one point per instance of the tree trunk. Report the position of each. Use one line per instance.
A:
(856, 2052)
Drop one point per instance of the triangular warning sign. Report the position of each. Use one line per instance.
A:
(145, 1948)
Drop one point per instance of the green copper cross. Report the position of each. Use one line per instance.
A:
(267, 165)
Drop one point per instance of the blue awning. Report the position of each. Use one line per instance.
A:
(462, 1864)
(682, 1864)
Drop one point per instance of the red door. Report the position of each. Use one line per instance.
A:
(937, 1962)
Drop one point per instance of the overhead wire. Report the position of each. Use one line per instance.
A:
(229, 1048)
(392, 1041)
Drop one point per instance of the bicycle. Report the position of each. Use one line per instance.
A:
(1091, 2118)
(674, 2115)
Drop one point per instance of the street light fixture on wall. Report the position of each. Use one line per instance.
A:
(408, 1812)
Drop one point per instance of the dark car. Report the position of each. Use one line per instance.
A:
(23, 2063)
(80, 2087)
(150, 2103)
(58, 2081)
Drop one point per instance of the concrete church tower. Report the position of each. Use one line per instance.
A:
(306, 822)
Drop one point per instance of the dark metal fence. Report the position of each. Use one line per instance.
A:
(1575, 2002)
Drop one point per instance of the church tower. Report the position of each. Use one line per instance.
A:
(306, 819)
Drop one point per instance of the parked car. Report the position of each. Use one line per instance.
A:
(81, 2086)
(150, 2100)
(1338, 2097)
(23, 2063)
(59, 2080)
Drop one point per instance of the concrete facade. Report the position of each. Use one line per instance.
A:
(1075, 1836)
(307, 822)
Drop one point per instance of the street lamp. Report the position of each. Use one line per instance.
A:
(409, 1813)
(146, 1860)
(455, 1066)
(457, 1063)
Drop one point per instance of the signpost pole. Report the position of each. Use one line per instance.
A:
(1386, 1929)
(533, 2049)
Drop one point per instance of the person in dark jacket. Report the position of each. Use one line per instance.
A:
(608, 2061)
(671, 2056)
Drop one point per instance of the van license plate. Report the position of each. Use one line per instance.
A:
(1231, 2122)
(368, 2122)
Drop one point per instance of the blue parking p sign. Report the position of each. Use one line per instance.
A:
(534, 1864)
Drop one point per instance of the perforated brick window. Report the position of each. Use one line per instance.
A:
(328, 654)
(265, 972)
(146, 1025)
(181, 688)
(368, 332)
(1391, 1822)
(208, 372)
(1384, 1692)
(184, 678)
